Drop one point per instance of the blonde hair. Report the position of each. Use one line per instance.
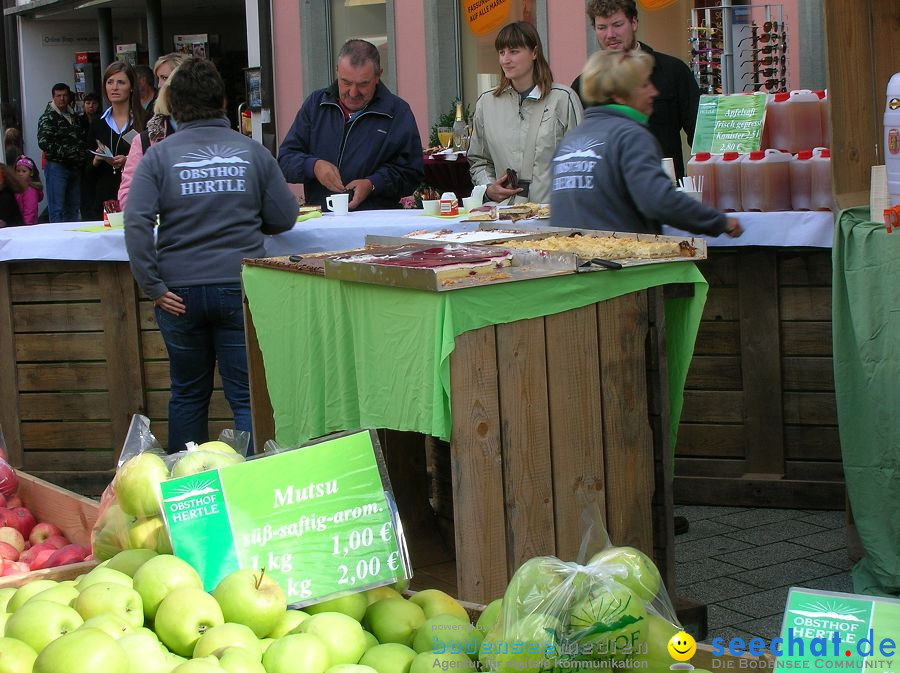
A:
(161, 106)
(609, 74)
(173, 59)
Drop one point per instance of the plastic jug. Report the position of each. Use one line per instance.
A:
(703, 165)
(766, 181)
(825, 116)
(728, 182)
(801, 180)
(806, 121)
(892, 139)
(778, 122)
(821, 193)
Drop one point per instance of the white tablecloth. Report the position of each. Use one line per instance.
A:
(61, 242)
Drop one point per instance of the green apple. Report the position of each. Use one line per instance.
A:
(111, 624)
(251, 598)
(145, 653)
(100, 575)
(217, 447)
(288, 623)
(447, 633)
(160, 576)
(641, 575)
(435, 602)
(534, 581)
(106, 597)
(16, 656)
(389, 658)
(378, 593)
(240, 660)
(296, 652)
(4, 617)
(527, 646)
(200, 461)
(353, 605)
(185, 615)
(26, 591)
(264, 643)
(394, 620)
(400, 585)
(427, 662)
(371, 640)
(610, 622)
(137, 484)
(5, 595)
(659, 633)
(342, 635)
(205, 665)
(149, 533)
(351, 668)
(88, 651)
(63, 593)
(227, 635)
(130, 560)
(175, 661)
(489, 616)
(41, 622)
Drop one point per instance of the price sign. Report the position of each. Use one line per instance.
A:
(320, 519)
(729, 123)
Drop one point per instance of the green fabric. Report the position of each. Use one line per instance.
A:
(628, 111)
(341, 355)
(866, 326)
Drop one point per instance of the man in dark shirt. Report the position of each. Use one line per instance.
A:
(675, 108)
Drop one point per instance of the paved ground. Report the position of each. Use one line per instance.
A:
(741, 562)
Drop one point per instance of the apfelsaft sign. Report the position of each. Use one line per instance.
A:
(320, 519)
(729, 123)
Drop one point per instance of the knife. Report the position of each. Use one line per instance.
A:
(608, 263)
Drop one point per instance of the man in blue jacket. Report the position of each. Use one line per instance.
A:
(354, 136)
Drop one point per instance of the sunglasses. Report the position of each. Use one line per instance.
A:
(764, 38)
(770, 26)
(768, 49)
(707, 50)
(771, 85)
(709, 64)
(768, 60)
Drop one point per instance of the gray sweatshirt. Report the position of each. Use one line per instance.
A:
(217, 193)
(607, 174)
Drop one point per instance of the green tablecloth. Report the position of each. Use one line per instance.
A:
(341, 355)
(866, 324)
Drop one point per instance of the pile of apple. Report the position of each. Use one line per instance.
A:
(130, 516)
(27, 544)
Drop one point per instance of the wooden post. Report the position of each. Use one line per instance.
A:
(9, 389)
(260, 403)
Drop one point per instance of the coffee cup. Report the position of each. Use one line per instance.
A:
(337, 203)
(431, 207)
(470, 203)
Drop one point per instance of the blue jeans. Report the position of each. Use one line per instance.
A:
(63, 187)
(212, 329)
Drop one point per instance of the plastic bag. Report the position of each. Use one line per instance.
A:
(130, 515)
(611, 611)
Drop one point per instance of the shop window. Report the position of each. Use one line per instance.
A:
(360, 19)
(479, 23)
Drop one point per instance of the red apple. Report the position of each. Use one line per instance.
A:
(29, 554)
(40, 561)
(72, 553)
(42, 531)
(13, 537)
(9, 482)
(8, 552)
(2, 500)
(23, 520)
(57, 541)
(14, 568)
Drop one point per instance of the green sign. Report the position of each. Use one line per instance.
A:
(729, 123)
(822, 629)
(320, 519)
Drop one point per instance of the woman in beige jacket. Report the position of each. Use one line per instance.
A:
(519, 124)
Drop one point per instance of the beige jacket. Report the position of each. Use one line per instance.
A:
(500, 131)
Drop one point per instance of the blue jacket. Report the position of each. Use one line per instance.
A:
(381, 143)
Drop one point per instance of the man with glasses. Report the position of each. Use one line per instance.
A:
(675, 108)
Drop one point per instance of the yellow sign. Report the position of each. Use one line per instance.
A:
(652, 5)
(485, 16)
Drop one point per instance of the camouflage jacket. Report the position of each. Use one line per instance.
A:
(61, 140)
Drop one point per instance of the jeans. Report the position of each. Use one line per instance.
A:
(63, 187)
(212, 329)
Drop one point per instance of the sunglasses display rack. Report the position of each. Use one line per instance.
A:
(739, 48)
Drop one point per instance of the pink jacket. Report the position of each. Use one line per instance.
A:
(29, 204)
(135, 154)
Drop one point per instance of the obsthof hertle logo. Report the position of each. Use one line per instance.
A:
(195, 488)
(682, 647)
(829, 609)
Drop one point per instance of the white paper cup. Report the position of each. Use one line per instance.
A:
(116, 219)
(697, 196)
(432, 207)
(471, 202)
(337, 203)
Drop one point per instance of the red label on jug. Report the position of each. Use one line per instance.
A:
(893, 141)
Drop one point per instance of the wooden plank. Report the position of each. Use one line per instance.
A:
(476, 468)
(627, 438)
(713, 441)
(719, 268)
(146, 314)
(158, 404)
(761, 350)
(709, 467)
(806, 338)
(576, 423)
(60, 346)
(156, 376)
(814, 470)
(62, 376)
(806, 303)
(714, 373)
(718, 337)
(781, 493)
(73, 406)
(810, 408)
(804, 268)
(64, 435)
(721, 304)
(9, 393)
(152, 345)
(262, 413)
(124, 375)
(808, 374)
(805, 442)
(87, 483)
(73, 461)
(54, 266)
(712, 406)
(55, 286)
(525, 441)
(58, 317)
(75, 515)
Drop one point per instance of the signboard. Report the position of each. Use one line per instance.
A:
(320, 519)
(485, 16)
(846, 631)
(729, 123)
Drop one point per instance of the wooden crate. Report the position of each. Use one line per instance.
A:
(74, 514)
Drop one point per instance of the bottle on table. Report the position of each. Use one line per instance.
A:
(703, 165)
(778, 122)
(821, 192)
(460, 130)
(728, 182)
(801, 180)
(825, 116)
(892, 139)
(766, 181)
(806, 121)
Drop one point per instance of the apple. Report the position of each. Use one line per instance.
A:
(16, 656)
(3, 501)
(159, 576)
(13, 537)
(6, 593)
(63, 593)
(110, 623)
(659, 633)
(55, 541)
(342, 635)
(107, 597)
(129, 560)
(535, 580)
(400, 585)
(148, 533)
(102, 574)
(489, 616)
(9, 481)
(71, 553)
(87, 651)
(4, 617)
(288, 623)
(610, 619)
(371, 640)
(226, 635)
(527, 646)
(42, 531)
(41, 559)
(296, 652)
(29, 555)
(427, 662)
(184, 615)
(639, 572)
(378, 593)
(197, 461)
(351, 668)
(8, 552)
(447, 633)
(21, 519)
(13, 501)
(205, 665)
(24, 592)
(389, 658)
(353, 605)
(145, 653)
(394, 620)
(239, 660)
(41, 622)
(435, 602)
(14, 568)
(251, 598)
(137, 484)
(217, 446)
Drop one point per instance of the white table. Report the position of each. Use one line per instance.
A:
(792, 229)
